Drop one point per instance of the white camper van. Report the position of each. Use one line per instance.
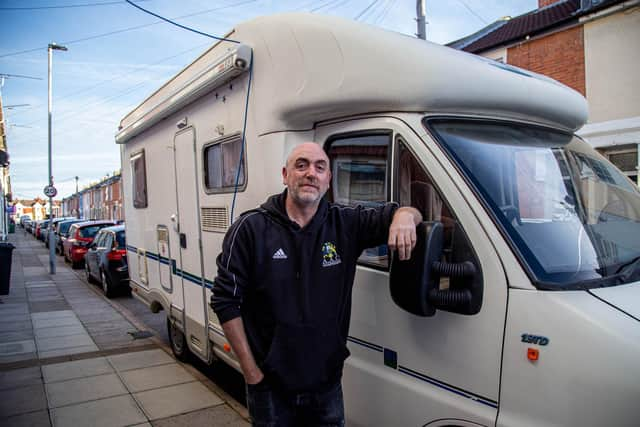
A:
(521, 305)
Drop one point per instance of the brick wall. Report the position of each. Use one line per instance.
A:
(543, 3)
(559, 56)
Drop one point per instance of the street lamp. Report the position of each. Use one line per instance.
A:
(52, 253)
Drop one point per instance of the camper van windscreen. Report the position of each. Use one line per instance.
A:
(570, 215)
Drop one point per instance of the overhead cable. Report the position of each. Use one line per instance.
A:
(68, 6)
(366, 9)
(137, 27)
(473, 12)
(184, 27)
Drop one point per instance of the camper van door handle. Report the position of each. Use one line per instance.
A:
(174, 221)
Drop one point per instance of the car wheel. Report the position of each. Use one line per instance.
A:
(107, 288)
(178, 343)
(87, 272)
(75, 264)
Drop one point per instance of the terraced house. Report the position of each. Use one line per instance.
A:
(593, 46)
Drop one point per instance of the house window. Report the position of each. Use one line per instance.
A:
(139, 179)
(221, 162)
(625, 159)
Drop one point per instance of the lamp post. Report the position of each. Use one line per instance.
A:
(77, 200)
(52, 246)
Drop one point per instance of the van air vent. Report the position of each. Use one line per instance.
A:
(215, 219)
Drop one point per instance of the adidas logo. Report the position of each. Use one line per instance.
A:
(279, 254)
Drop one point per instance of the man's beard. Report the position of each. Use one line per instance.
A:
(306, 198)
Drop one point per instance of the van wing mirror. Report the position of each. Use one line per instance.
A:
(412, 280)
(415, 283)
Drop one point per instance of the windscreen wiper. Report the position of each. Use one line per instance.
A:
(630, 271)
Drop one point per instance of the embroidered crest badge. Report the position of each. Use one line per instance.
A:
(330, 255)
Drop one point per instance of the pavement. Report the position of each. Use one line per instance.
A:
(71, 357)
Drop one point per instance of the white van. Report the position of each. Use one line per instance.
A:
(521, 306)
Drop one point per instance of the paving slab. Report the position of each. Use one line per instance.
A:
(22, 400)
(218, 416)
(20, 378)
(53, 315)
(16, 326)
(80, 390)
(59, 331)
(17, 347)
(24, 335)
(14, 308)
(67, 351)
(76, 369)
(139, 359)
(54, 343)
(155, 377)
(50, 323)
(175, 400)
(13, 317)
(31, 419)
(112, 412)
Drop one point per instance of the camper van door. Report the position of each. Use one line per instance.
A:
(186, 232)
(425, 368)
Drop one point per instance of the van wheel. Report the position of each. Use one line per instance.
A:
(178, 343)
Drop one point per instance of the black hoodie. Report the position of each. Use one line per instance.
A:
(292, 286)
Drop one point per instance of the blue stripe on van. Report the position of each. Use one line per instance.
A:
(364, 343)
(450, 388)
(371, 346)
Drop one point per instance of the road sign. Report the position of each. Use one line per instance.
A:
(50, 191)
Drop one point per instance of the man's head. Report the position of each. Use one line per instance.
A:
(306, 174)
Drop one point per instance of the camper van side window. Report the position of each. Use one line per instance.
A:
(221, 160)
(360, 176)
(139, 179)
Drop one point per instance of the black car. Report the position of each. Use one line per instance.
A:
(106, 260)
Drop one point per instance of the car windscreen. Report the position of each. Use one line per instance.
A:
(92, 230)
(63, 227)
(122, 244)
(572, 218)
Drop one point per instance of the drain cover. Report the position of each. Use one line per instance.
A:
(138, 335)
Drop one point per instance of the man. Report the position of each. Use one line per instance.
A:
(283, 291)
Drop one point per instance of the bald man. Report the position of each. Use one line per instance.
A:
(283, 290)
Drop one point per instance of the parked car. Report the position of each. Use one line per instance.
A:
(54, 225)
(32, 227)
(106, 261)
(23, 219)
(27, 224)
(80, 237)
(41, 229)
(62, 232)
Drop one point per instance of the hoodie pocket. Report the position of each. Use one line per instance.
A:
(305, 356)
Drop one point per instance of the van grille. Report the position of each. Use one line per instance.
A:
(215, 219)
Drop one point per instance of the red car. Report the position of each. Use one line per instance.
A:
(81, 235)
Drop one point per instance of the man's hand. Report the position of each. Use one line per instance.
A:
(402, 232)
(234, 331)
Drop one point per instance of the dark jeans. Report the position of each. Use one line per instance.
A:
(269, 407)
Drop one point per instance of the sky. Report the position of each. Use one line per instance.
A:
(118, 55)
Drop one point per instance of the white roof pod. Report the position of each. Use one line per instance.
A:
(309, 68)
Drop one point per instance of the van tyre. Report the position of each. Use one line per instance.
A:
(178, 343)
